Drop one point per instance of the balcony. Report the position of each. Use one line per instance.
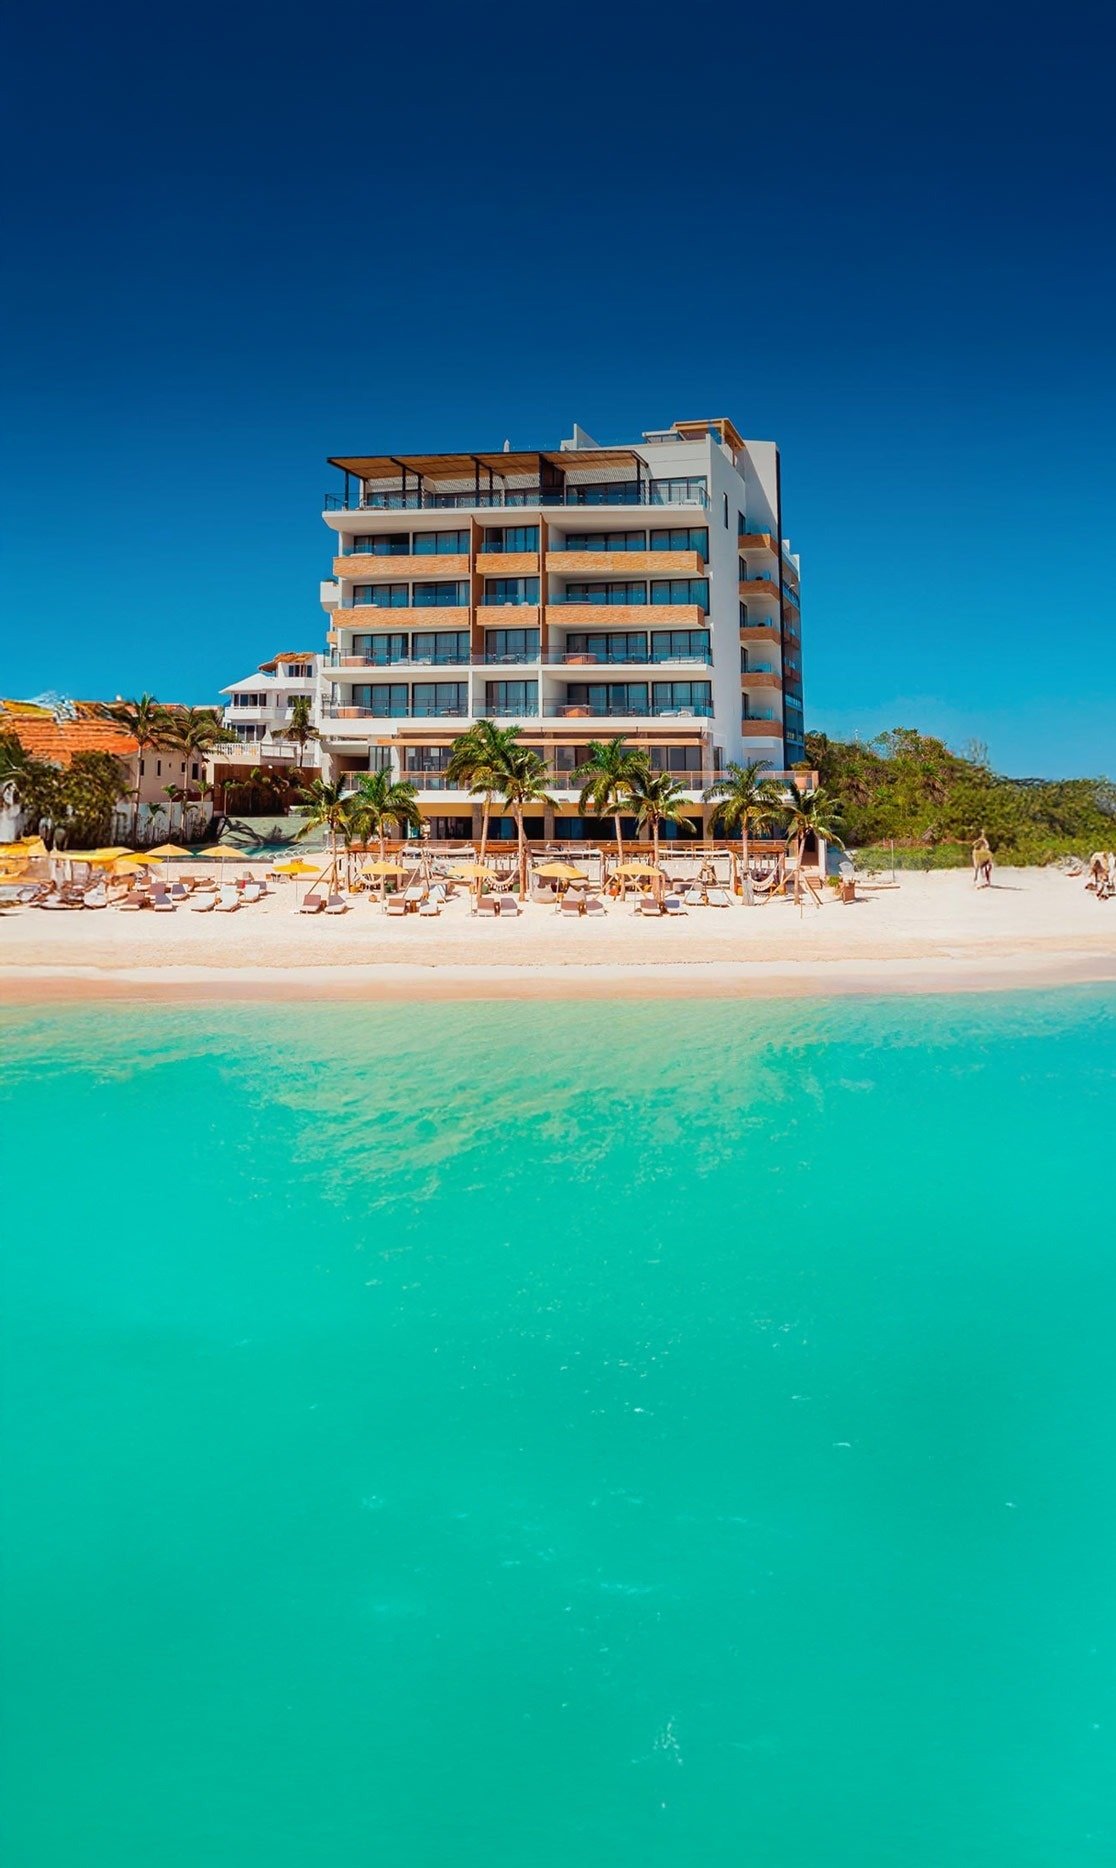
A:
(508, 563)
(656, 658)
(767, 632)
(625, 493)
(761, 678)
(576, 614)
(792, 599)
(402, 713)
(752, 588)
(580, 710)
(330, 593)
(375, 617)
(371, 567)
(355, 667)
(757, 541)
(761, 726)
(626, 564)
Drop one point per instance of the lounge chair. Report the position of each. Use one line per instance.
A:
(694, 898)
(161, 902)
(252, 892)
(178, 892)
(717, 898)
(228, 899)
(488, 905)
(649, 905)
(594, 905)
(508, 905)
(413, 896)
(202, 904)
(311, 904)
(395, 905)
(132, 902)
(570, 906)
(431, 906)
(97, 898)
(673, 905)
(336, 905)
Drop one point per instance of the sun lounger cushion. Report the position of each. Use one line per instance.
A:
(202, 904)
(395, 905)
(312, 904)
(508, 905)
(337, 905)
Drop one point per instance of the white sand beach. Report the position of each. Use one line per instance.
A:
(932, 932)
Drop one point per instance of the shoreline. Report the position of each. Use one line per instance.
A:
(386, 982)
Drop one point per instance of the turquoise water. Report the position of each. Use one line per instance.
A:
(560, 1435)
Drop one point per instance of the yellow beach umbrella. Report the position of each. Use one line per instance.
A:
(223, 853)
(296, 867)
(639, 869)
(561, 872)
(471, 872)
(163, 850)
(384, 867)
(127, 866)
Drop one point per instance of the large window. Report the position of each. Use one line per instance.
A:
(695, 696)
(387, 700)
(381, 647)
(381, 596)
(681, 590)
(384, 545)
(511, 590)
(682, 538)
(440, 697)
(605, 493)
(679, 492)
(249, 700)
(511, 538)
(612, 645)
(451, 596)
(676, 759)
(511, 645)
(440, 645)
(605, 541)
(608, 697)
(511, 697)
(606, 593)
(668, 645)
(440, 544)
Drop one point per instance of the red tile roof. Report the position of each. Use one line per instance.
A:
(56, 741)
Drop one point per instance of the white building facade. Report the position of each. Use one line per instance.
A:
(583, 593)
(258, 711)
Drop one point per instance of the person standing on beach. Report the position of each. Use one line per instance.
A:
(982, 862)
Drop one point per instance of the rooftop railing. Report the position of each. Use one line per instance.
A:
(624, 493)
(572, 710)
(607, 658)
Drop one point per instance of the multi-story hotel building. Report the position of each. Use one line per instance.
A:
(580, 593)
(258, 710)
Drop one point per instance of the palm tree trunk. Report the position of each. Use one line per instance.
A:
(746, 890)
(522, 842)
(619, 844)
(484, 823)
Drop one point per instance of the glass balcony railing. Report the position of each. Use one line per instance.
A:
(396, 713)
(566, 710)
(607, 658)
(622, 493)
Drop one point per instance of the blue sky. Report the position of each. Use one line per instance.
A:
(247, 239)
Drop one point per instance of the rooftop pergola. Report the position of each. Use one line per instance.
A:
(483, 473)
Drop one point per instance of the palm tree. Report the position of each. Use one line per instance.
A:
(379, 803)
(606, 776)
(744, 801)
(149, 725)
(523, 782)
(327, 810)
(657, 798)
(300, 727)
(479, 761)
(809, 813)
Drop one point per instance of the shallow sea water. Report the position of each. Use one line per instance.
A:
(546, 1434)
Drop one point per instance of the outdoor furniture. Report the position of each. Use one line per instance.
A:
(431, 906)
(593, 905)
(649, 905)
(132, 902)
(203, 904)
(161, 902)
(673, 905)
(570, 906)
(311, 904)
(717, 898)
(228, 899)
(336, 905)
(694, 898)
(488, 905)
(178, 892)
(251, 892)
(413, 896)
(509, 906)
(395, 905)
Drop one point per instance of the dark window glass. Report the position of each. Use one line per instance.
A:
(512, 697)
(605, 493)
(675, 492)
(511, 590)
(381, 647)
(451, 596)
(606, 593)
(668, 695)
(440, 544)
(612, 645)
(511, 538)
(682, 538)
(676, 759)
(384, 545)
(440, 645)
(439, 697)
(521, 645)
(381, 596)
(666, 644)
(681, 590)
(608, 696)
(605, 541)
(387, 700)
